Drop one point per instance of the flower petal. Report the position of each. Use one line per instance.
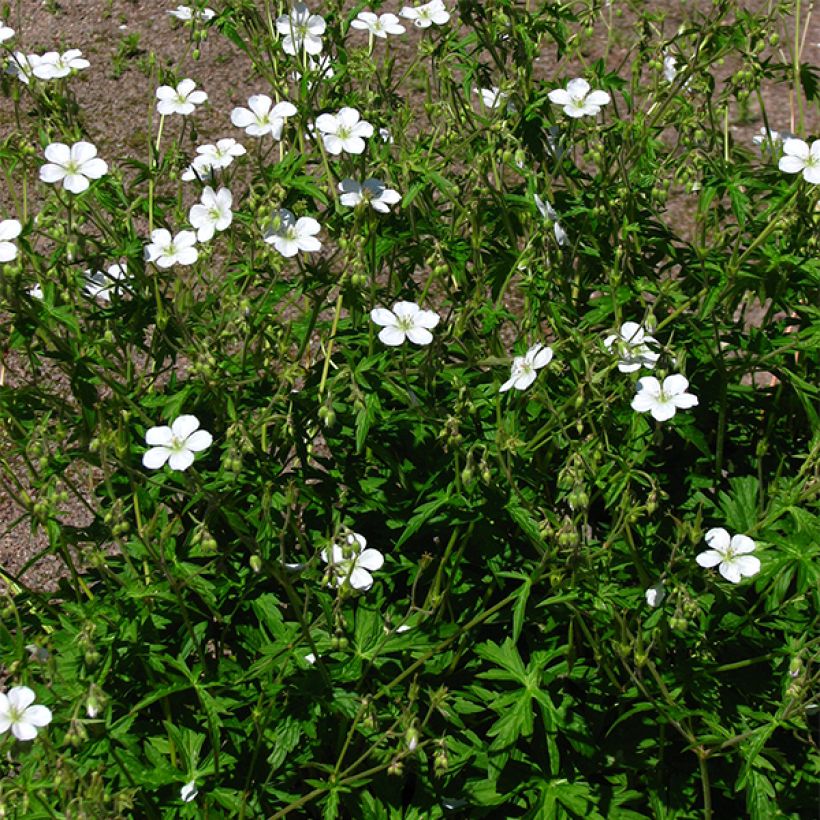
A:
(199, 441)
(742, 544)
(718, 539)
(159, 436)
(155, 458)
(392, 336)
(38, 715)
(383, 317)
(370, 559)
(419, 335)
(183, 426)
(709, 558)
(180, 460)
(360, 579)
(730, 571)
(20, 698)
(747, 565)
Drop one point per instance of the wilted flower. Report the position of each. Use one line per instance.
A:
(175, 444)
(798, 156)
(731, 553)
(548, 213)
(379, 25)
(165, 251)
(352, 562)
(99, 284)
(344, 131)
(290, 235)
(72, 165)
(372, 191)
(405, 321)
(180, 100)
(262, 117)
(210, 157)
(523, 370)
(663, 401)
(187, 13)
(578, 100)
(631, 343)
(211, 213)
(669, 70)
(9, 229)
(18, 714)
(53, 65)
(655, 594)
(189, 791)
(301, 30)
(426, 15)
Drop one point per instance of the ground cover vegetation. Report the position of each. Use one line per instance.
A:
(447, 433)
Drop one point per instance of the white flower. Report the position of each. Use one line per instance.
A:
(301, 30)
(663, 402)
(22, 65)
(492, 97)
(406, 321)
(100, 285)
(180, 100)
(260, 118)
(655, 594)
(548, 213)
(379, 25)
(797, 157)
(165, 251)
(523, 373)
(211, 213)
(373, 191)
(6, 33)
(385, 134)
(310, 658)
(632, 345)
(426, 15)
(189, 791)
(17, 713)
(352, 562)
(210, 157)
(187, 13)
(53, 65)
(175, 444)
(669, 70)
(731, 554)
(36, 292)
(72, 165)
(290, 235)
(344, 131)
(9, 229)
(771, 137)
(578, 100)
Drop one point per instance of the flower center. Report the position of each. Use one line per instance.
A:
(72, 167)
(177, 444)
(214, 214)
(405, 323)
(16, 714)
(181, 99)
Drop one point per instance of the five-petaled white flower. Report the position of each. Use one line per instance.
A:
(72, 165)
(379, 25)
(100, 285)
(655, 594)
(301, 30)
(523, 374)
(187, 13)
(290, 235)
(6, 33)
(406, 321)
(798, 156)
(631, 344)
(210, 157)
(344, 131)
(262, 117)
(548, 213)
(175, 444)
(663, 401)
(180, 100)
(9, 229)
(426, 15)
(372, 191)
(578, 100)
(211, 213)
(188, 792)
(52, 65)
(18, 714)
(22, 65)
(731, 553)
(492, 97)
(165, 250)
(353, 562)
